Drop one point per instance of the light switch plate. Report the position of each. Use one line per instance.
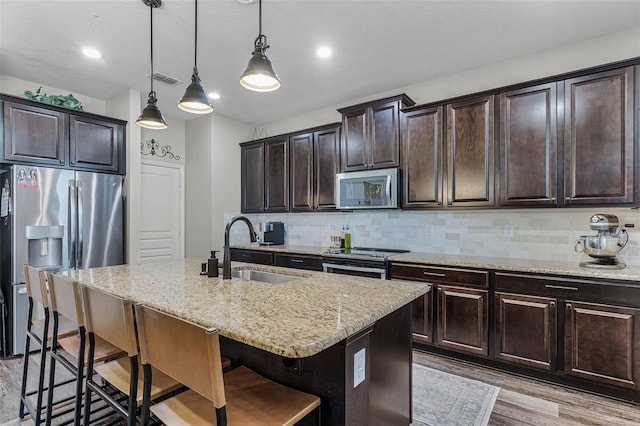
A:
(359, 359)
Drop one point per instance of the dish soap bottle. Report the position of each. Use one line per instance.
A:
(347, 237)
(212, 267)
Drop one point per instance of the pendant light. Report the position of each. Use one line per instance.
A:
(195, 100)
(151, 117)
(259, 75)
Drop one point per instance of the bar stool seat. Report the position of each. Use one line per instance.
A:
(65, 328)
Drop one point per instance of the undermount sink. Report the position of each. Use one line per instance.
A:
(263, 276)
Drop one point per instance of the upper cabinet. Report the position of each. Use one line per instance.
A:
(41, 134)
(528, 161)
(371, 134)
(265, 175)
(470, 152)
(598, 138)
(315, 160)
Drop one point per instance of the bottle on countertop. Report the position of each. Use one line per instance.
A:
(347, 237)
(342, 238)
(212, 267)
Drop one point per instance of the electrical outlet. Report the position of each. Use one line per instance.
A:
(508, 231)
(428, 230)
(359, 359)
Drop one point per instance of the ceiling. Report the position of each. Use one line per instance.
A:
(378, 46)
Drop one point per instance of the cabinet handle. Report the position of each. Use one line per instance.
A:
(439, 203)
(449, 203)
(297, 260)
(247, 256)
(561, 287)
(569, 307)
(552, 304)
(434, 274)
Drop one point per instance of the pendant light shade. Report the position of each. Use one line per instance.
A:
(195, 100)
(259, 75)
(151, 117)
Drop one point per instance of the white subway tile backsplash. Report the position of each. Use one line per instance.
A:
(539, 234)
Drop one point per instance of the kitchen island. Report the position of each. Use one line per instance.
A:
(346, 339)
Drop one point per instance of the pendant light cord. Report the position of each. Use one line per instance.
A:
(259, 18)
(151, 15)
(195, 52)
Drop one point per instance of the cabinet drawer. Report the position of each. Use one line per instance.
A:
(601, 291)
(439, 274)
(298, 261)
(252, 256)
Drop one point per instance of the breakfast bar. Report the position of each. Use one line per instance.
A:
(346, 339)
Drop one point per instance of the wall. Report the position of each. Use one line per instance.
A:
(172, 138)
(537, 233)
(212, 179)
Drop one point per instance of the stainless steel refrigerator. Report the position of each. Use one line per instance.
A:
(56, 220)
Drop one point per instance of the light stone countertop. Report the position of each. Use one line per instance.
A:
(630, 273)
(295, 319)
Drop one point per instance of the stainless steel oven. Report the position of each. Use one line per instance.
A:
(358, 261)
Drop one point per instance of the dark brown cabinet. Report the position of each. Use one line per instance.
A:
(51, 136)
(276, 175)
(265, 176)
(371, 134)
(298, 261)
(598, 138)
(315, 160)
(461, 312)
(463, 319)
(525, 330)
(602, 343)
(252, 256)
(470, 153)
(252, 177)
(529, 147)
(422, 158)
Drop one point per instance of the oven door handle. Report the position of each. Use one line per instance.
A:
(326, 266)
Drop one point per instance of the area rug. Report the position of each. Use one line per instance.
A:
(443, 399)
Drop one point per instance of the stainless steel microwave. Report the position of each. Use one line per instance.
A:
(370, 189)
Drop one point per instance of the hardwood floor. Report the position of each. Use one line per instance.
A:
(521, 401)
(524, 401)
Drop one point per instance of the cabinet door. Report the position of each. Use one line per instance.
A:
(598, 138)
(528, 147)
(384, 136)
(251, 256)
(525, 330)
(422, 145)
(276, 175)
(95, 144)
(470, 151)
(602, 344)
(35, 135)
(355, 155)
(252, 178)
(301, 172)
(463, 319)
(298, 261)
(327, 164)
(422, 318)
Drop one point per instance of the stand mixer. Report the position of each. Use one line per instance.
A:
(604, 247)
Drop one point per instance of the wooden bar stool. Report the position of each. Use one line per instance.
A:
(35, 281)
(66, 301)
(111, 318)
(191, 354)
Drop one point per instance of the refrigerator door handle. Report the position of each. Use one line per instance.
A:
(72, 223)
(80, 225)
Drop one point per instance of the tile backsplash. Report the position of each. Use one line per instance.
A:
(540, 234)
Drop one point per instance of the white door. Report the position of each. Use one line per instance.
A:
(162, 212)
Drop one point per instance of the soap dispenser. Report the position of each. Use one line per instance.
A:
(212, 267)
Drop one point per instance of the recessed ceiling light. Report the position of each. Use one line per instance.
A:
(213, 95)
(91, 52)
(324, 52)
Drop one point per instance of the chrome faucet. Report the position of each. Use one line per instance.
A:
(226, 260)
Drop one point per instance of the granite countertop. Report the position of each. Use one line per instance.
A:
(295, 319)
(630, 273)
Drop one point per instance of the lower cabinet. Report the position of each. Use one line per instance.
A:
(525, 330)
(463, 319)
(422, 318)
(602, 343)
(252, 256)
(286, 260)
